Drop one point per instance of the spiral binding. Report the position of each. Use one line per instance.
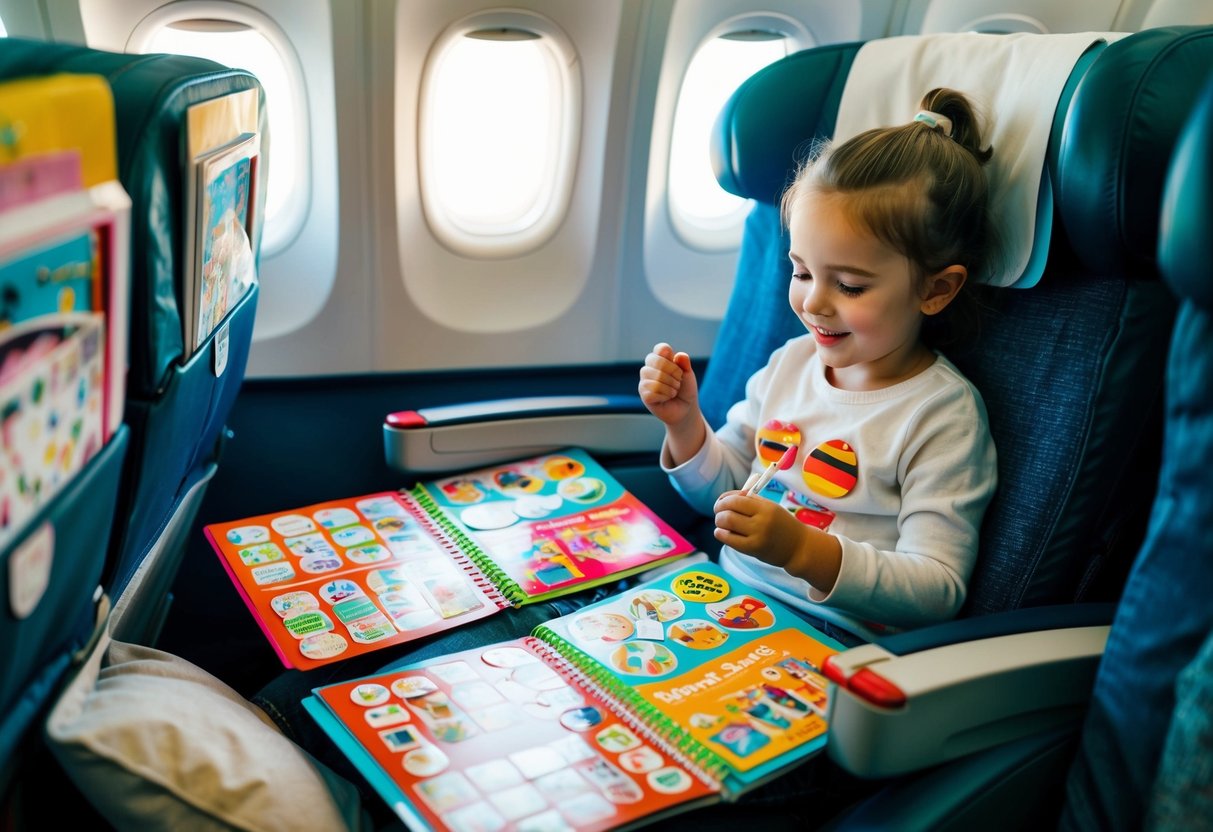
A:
(469, 557)
(631, 708)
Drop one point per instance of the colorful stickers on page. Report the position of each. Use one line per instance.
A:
(334, 579)
(493, 738)
(732, 667)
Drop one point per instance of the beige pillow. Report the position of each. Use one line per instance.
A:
(155, 742)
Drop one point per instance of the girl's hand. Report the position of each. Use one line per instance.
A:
(763, 529)
(668, 387)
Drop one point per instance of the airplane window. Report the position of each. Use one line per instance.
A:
(497, 140)
(704, 214)
(239, 45)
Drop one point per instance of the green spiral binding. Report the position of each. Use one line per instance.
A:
(506, 585)
(674, 734)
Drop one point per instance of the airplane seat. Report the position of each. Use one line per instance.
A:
(62, 443)
(118, 529)
(1070, 369)
(1141, 758)
(176, 401)
(1080, 340)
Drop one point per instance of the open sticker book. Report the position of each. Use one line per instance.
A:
(345, 577)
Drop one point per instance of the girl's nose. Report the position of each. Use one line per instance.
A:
(816, 300)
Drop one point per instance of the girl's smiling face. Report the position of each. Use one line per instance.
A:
(856, 295)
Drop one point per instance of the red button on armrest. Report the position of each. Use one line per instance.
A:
(876, 689)
(406, 419)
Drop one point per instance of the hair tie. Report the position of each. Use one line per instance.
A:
(935, 120)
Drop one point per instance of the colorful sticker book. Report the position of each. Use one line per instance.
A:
(345, 577)
(684, 691)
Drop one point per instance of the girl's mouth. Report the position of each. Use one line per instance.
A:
(827, 337)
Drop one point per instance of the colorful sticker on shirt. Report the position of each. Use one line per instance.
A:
(831, 469)
(774, 438)
(807, 511)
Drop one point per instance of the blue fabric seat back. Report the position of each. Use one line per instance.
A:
(1143, 757)
(176, 406)
(1057, 364)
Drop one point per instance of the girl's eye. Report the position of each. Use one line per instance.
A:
(801, 276)
(850, 291)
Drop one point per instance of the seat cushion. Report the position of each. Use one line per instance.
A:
(155, 742)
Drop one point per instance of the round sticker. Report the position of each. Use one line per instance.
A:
(582, 489)
(562, 467)
(643, 658)
(669, 780)
(774, 438)
(601, 626)
(533, 506)
(698, 634)
(410, 687)
(462, 491)
(741, 612)
(831, 469)
(385, 580)
(335, 518)
(307, 623)
(369, 694)
(507, 657)
(323, 646)
(639, 760)
(368, 553)
(293, 603)
(339, 590)
(488, 516)
(353, 535)
(425, 761)
(321, 564)
(248, 535)
(513, 482)
(581, 719)
(702, 587)
(655, 604)
(385, 716)
(260, 554)
(289, 525)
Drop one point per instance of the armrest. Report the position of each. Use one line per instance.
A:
(456, 437)
(894, 711)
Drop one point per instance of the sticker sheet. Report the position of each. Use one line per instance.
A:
(733, 667)
(555, 523)
(495, 738)
(344, 577)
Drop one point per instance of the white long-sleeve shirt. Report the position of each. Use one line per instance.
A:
(907, 474)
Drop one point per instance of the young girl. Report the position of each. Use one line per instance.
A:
(877, 521)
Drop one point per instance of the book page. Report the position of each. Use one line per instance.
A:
(554, 524)
(716, 664)
(494, 738)
(345, 577)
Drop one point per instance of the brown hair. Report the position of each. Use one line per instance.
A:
(919, 189)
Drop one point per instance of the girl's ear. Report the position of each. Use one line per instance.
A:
(941, 288)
